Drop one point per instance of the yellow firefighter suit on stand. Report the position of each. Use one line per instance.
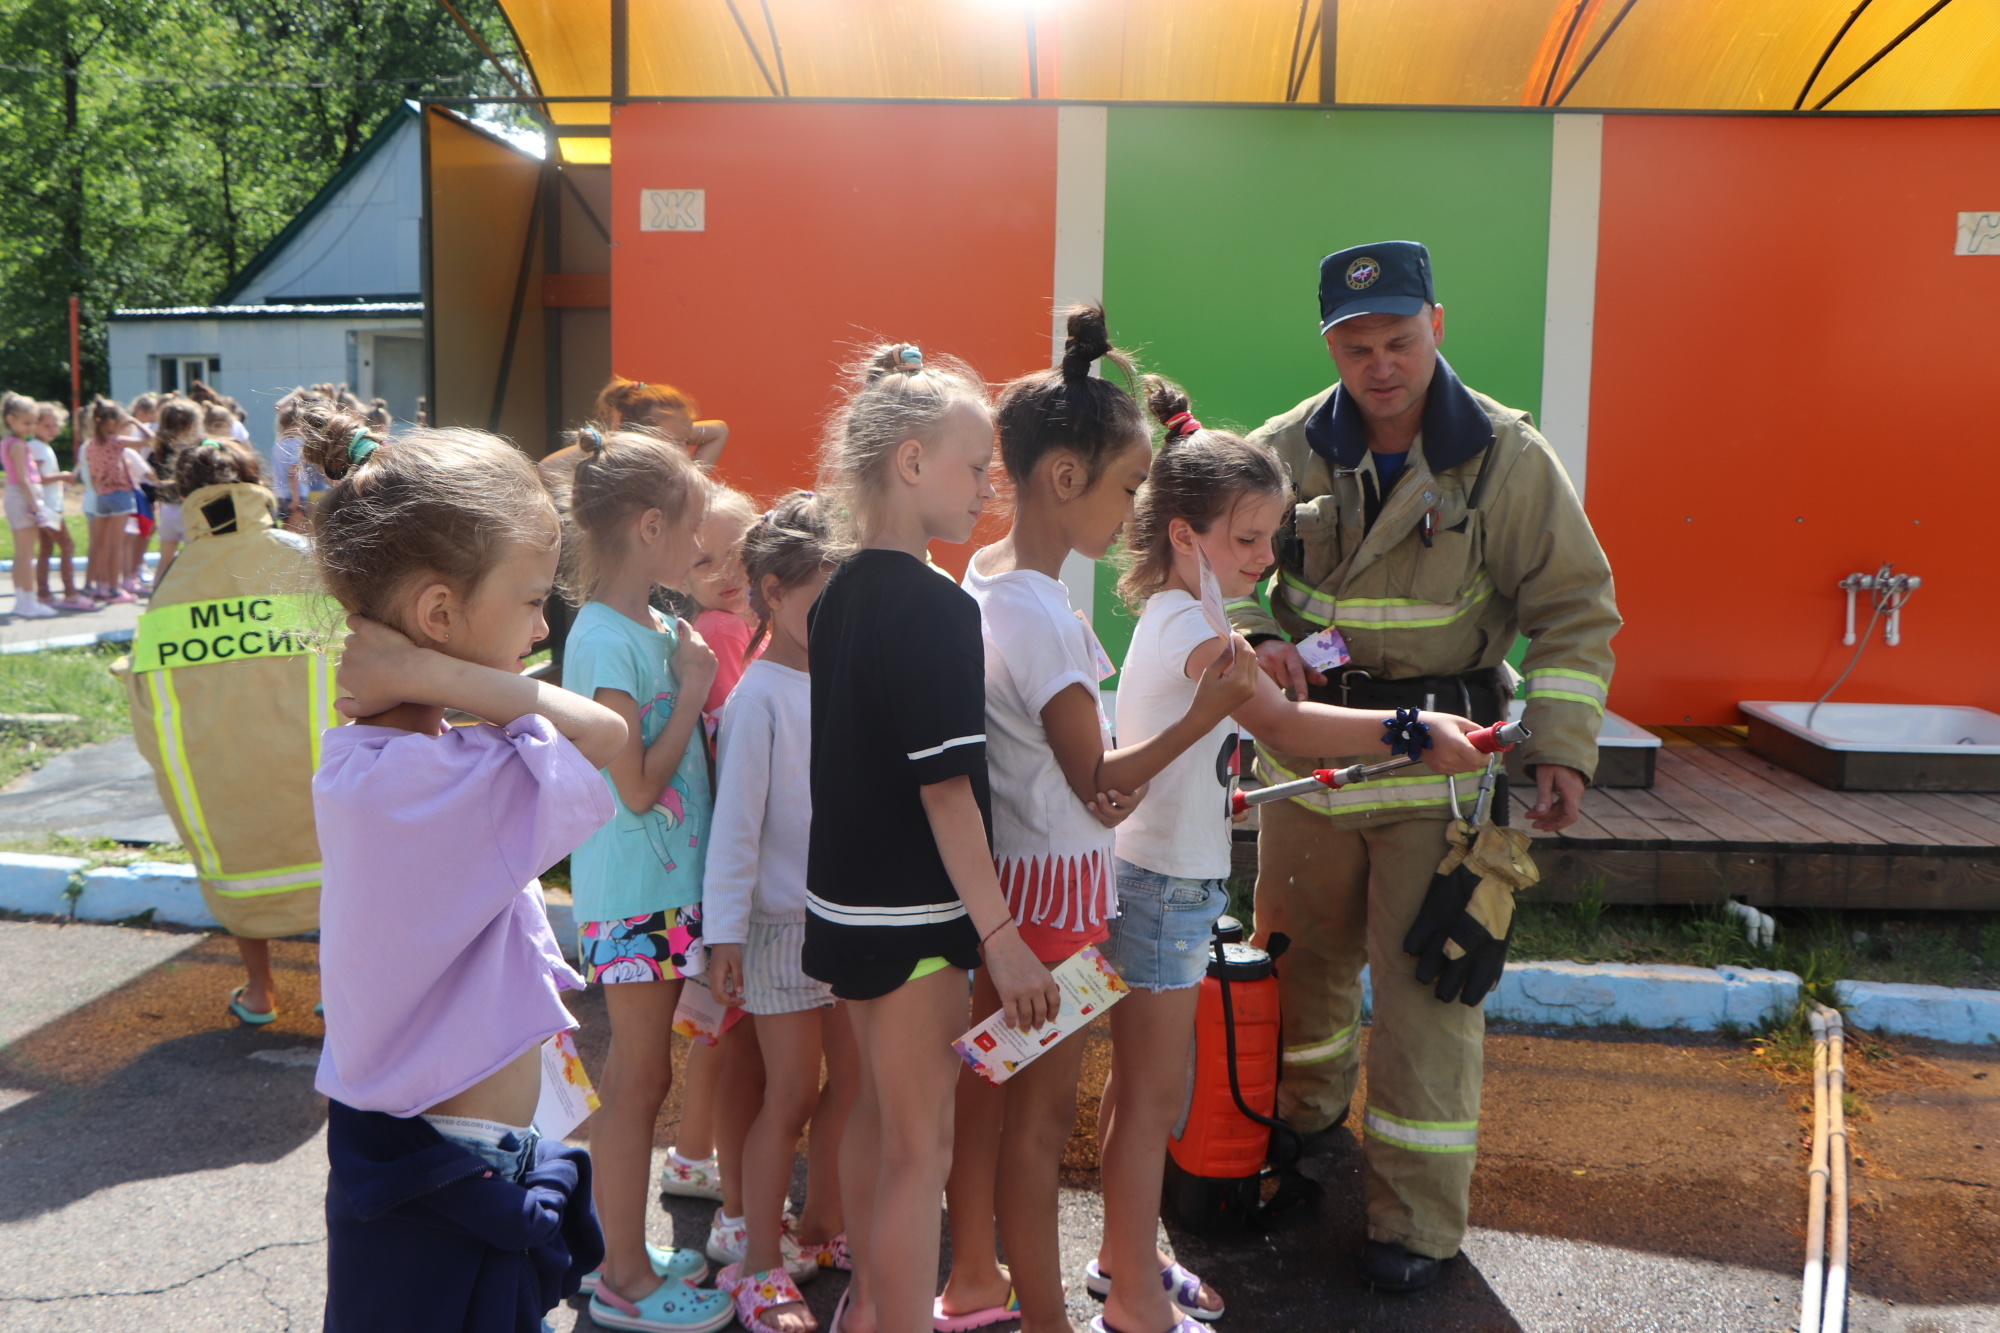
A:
(1479, 535)
(230, 691)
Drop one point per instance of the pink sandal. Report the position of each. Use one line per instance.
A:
(829, 1253)
(757, 1294)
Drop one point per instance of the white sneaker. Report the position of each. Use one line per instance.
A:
(28, 607)
(691, 1179)
(729, 1240)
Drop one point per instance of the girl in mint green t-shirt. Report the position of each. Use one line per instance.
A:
(637, 500)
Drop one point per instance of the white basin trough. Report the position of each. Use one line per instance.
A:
(1626, 751)
(1880, 747)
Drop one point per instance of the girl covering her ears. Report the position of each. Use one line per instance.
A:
(1077, 451)
(1209, 494)
(440, 976)
(635, 501)
(902, 899)
(754, 922)
(28, 513)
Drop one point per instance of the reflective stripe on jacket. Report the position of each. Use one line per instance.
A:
(1522, 559)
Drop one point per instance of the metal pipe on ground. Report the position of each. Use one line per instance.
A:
(1813, 1286)
(1833, 1314)
(1823, 1296)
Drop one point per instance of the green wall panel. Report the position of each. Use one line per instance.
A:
(1215, 222)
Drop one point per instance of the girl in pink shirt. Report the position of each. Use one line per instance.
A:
(440, 975)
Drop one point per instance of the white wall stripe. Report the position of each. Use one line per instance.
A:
(1575, 179)
(1079, 268)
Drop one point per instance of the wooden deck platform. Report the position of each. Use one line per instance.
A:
(1722, 822)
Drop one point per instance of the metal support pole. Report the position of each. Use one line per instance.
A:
(621, 51)
(1329, 50)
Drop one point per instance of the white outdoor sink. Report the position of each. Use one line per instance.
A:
(1626, 751)
(1881, 747)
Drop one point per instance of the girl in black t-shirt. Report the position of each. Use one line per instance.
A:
(902, 895)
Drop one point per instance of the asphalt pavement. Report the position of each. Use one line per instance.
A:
(162, 1169)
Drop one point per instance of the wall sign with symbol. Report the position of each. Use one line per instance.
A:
(673, 210)
(1978, 234)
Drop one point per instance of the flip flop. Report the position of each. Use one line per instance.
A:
(1186, 1325)
(966, 1323)
(1183, 1287)
(249, 1018)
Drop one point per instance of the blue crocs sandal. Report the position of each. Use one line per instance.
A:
(249, 1018)
(672, 1307)
(687, 1265)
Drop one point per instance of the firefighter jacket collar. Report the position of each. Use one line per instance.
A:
(1455, 427)
(225, 510)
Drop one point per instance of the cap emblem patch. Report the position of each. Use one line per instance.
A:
(1363, 272)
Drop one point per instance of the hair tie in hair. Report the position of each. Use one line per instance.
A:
(593, 434)
(360, 447)
(1180, 424)
(911, 358)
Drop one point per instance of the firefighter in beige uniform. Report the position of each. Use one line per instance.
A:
(1430, 524)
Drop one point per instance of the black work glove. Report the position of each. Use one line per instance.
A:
(1444, 920)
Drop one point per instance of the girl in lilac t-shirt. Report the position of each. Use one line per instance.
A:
(440, 975)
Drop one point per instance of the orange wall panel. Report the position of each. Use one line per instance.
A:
(1791, 383)
(826, 227)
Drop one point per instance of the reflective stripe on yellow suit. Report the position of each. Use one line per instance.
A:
(1347, 894)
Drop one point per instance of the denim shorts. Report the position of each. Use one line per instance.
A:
(110, 504)
(1163, 935)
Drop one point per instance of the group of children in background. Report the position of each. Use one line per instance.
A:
(125, 460)
(918, 809)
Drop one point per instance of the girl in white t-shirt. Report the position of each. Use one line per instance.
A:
(1076, 450)
(1209, 494)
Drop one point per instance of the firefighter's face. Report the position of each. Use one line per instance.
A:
(1386, 361)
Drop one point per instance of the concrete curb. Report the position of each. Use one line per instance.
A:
(1942, 1013)
(1645, 995)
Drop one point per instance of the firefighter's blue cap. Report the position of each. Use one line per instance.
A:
(1385, 278)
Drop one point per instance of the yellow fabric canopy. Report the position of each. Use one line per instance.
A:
(1723, 55)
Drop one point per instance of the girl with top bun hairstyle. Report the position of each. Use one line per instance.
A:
(902, 899)
(1077, 452)
(440, 975)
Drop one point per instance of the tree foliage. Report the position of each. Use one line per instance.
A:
(149, 148)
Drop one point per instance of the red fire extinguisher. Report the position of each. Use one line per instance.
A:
(1230, 1142)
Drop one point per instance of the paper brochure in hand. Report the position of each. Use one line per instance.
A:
(1211, 601)
(1089, 986)
(567, 1096)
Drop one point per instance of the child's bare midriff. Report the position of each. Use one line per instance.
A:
(507, 1096)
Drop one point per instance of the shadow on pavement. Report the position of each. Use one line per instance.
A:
(151, 1080)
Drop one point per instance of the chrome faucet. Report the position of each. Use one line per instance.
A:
(1888, 591)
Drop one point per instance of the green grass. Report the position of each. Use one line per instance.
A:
(61, 680)
(79, 528)
(96, 851)
(1933, 948)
